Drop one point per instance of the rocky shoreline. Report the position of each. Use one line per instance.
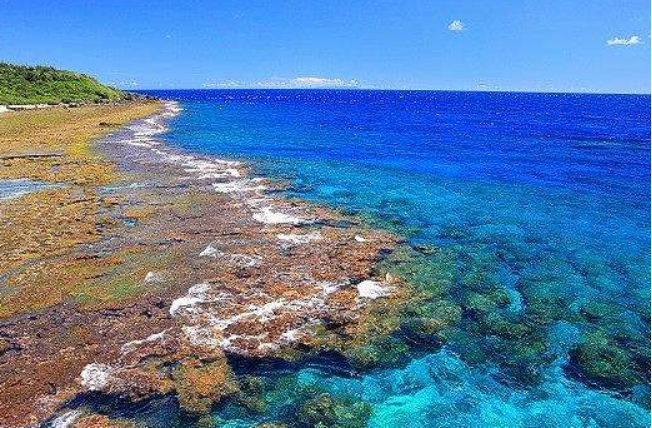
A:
(221, 266)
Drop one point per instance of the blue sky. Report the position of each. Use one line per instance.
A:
(530, 45)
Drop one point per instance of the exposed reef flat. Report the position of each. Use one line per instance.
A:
(42, 237)
(175, 262)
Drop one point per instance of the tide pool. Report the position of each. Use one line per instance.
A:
(527, 226)
(15, 188)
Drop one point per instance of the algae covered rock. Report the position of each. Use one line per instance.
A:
(383, 352)
(431, 271)
(200, 384)
(101, 421)
(325, 411)
(251, 394)
(605, 363)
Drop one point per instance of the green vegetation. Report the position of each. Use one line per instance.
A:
(45, 85)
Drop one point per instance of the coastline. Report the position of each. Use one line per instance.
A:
(209, 263)
(45, 229)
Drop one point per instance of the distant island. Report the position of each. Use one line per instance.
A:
(22, 85)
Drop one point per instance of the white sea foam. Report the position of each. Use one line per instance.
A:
(238, 186)
(263, 342)
(299, 239)
(153, 277)
(209, 251)
(95, 377)
(201, 336)
(265, 312)
(267, 346)
(226, 342)
(329, 287)
(256, 202)
(182, 302)
(145, 144)
(65, 420)
(266, 215)
(243, 260)
(372, 289)
(291, 335)
(130, 346)
(205, 327)
(144, 134)
(294, 334)
(196, 294)
(172, 108)
(214, 169)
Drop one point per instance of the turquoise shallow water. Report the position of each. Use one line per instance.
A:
(527, 226)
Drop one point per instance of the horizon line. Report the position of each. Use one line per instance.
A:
(389, 90)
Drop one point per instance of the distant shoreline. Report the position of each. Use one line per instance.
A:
(4, 108)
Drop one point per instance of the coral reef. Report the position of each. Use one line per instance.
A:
(164, 264)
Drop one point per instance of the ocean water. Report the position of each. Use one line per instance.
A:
(526, 220)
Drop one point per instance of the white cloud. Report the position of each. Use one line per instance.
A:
(222, 84)
(284, 83)
(483, 86)
(306, 82)
(124, 84)
(624, 41)
(321, 81)
(456, 25)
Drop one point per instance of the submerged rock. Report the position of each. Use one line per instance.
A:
(605, 363)
(337, 412)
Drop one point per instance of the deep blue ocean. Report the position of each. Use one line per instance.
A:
(525, 216)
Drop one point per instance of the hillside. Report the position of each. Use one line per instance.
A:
(46, 85)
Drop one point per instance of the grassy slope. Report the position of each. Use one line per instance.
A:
(34, 85)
